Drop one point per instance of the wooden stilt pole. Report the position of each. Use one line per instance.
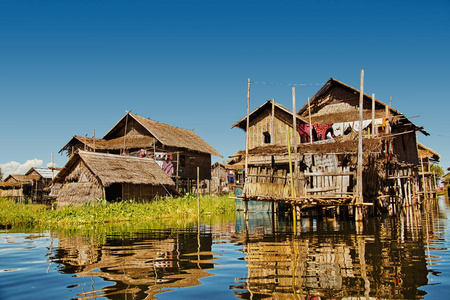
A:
(246, 132)
(293, 196)
(359, 199)
(246, 151)
(423, 177)
(294, 139)
(198, 191)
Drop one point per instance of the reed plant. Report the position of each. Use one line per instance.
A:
(182, 209)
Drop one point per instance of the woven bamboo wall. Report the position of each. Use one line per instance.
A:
(262, 124)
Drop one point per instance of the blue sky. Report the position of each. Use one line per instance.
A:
(69, 67)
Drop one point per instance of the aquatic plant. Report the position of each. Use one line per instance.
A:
(184, 209)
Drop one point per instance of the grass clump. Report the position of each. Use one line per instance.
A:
(14, 214)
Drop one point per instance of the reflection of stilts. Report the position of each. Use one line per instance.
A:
(362, 260)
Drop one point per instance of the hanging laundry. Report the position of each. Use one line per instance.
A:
(142, 153)
(160, 163)
(304, 129)
(365, 124)
(231, 176)
(347, 127)
(321, 130)
(338, 129)
(168, 167)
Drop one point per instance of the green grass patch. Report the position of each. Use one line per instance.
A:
(183, 209)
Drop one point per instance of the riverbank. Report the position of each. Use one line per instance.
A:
(13, 214)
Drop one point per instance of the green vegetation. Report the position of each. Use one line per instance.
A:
(437, 170)
(183, 209)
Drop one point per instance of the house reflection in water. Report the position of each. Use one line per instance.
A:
(329, 260)
(141, 265)
(326, 259)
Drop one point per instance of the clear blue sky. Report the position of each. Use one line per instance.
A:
(69, 67)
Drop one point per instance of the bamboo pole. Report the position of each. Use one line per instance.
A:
(294, 135)
(198, 191)
(358, 214)
(294, 213)
(53, 168)
(246, 151)
(246, 131)
(272, 124)
(373, 115)
(310, 125)
(423, 177)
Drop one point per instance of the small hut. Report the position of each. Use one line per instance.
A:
(226, 177)
(178, 151)
(88, 176)
(18, 186)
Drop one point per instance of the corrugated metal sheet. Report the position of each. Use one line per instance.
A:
(46, 173)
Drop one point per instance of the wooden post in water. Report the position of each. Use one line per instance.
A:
(198, 191)
(359, 197)
(246, 151)
(293, 196)
(423, 178)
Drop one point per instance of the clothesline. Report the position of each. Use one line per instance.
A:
(330, 130)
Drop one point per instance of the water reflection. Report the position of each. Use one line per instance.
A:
(388, 258)
(140, 265)
(329, 259)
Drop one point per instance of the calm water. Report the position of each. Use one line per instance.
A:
(404, 258)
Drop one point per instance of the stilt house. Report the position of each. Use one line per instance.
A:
(18, 186)
(178, 151)
(88, 176)
(324, 148)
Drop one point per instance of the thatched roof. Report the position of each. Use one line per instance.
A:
(328, 147)
(168, 135)
(242, 123)
(12, 178)
(334, 117)
(110, 168)
(133, 140)
(427, 152)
